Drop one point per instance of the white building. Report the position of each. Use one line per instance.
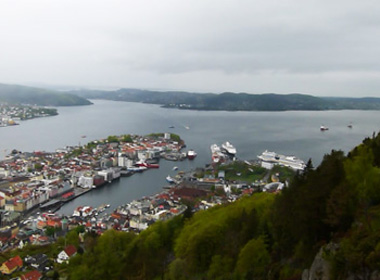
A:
(66, 254)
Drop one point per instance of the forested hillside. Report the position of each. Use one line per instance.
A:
(15, 94)
(264, 236)
(229, 101)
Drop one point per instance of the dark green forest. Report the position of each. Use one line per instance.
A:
(229, 101)
(263, 236)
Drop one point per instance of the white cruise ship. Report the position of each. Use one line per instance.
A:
(289, 161)
(229, 148)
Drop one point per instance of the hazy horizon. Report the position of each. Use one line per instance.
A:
(318, 48)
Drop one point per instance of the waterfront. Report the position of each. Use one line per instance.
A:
(250, 132)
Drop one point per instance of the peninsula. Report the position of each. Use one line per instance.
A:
(10, 114)
(16, 94)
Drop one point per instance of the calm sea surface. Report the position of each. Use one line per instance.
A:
(290, 133)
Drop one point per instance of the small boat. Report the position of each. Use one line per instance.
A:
(170, 179)
(350, 125)
(175, 168)
(324, 128)
(83, 136)
(172, 126)
(147, 165)
(191, 154)
(137, 169)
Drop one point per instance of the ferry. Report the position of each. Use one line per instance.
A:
(216, 154)
(288, 161)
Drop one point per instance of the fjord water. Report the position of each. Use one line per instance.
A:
(290, 133)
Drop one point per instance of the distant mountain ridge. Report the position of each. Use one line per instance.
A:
(16, 94)
(229, 101)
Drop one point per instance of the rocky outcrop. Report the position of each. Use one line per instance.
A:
(320, 268)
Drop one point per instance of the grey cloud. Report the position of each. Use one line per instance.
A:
(323, 47)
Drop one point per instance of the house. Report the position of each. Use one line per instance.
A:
(31, 275)
(9, 266)
(66, 254)
(38, 261)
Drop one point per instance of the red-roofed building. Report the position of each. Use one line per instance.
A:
(66, 254)
(54, 222)
(31, 275)
(39, 239)
(174, 210)
(11, 265)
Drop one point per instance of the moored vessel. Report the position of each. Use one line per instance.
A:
(270, 158)
(191, 154)
(229, 148)
(170, 180)
(217, 155)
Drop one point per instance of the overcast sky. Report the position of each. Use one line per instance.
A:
(323, 48)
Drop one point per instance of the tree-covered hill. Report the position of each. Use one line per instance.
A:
(264, 236)
(15, 94)
(233, 101)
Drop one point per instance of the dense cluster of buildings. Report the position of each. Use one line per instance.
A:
(10, 114)
(40, 180)
(35, 182)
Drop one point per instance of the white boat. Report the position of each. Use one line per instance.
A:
(324, 128)
(137, 169)
(215, 148)
(288, 161)
(229, 148)
(170, 179)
